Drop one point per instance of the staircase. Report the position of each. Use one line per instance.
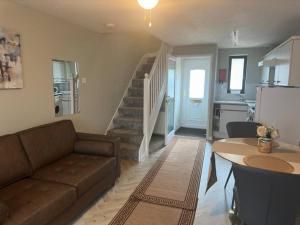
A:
(128, 125)
(129, 122)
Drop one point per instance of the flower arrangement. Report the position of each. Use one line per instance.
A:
(266, 136)
(267, 132)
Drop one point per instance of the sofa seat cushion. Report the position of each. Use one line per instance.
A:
(78, 170)
(35, 202)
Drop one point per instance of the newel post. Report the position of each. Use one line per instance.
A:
(146, 111)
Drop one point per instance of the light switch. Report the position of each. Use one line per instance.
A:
(84, 80)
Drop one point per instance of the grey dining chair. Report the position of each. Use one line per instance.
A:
(264, 197)
(241, 130)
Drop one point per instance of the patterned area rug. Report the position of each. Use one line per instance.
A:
(168, 193)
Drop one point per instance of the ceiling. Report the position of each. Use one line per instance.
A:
(185, 22)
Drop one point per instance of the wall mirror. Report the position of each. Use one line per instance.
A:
(65, 87)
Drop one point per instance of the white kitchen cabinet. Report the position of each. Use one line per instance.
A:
(265, 76)
(231, 113)
(283, 59)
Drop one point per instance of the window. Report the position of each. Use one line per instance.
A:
(197, 84)
(237, 74)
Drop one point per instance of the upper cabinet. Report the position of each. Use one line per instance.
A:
(280, 67)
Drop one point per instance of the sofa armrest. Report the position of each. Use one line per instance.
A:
(98, 144)
(4, 212)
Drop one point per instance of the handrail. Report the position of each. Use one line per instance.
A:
(154, 91)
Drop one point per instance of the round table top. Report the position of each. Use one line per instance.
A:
(237, 150)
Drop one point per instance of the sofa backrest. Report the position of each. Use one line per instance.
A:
(14, 164)
(48, 143)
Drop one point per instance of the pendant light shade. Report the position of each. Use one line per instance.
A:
(148, 4)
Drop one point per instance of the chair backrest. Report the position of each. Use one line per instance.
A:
(265, 197)
(242, 129)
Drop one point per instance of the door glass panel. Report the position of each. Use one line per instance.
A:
(171, 95)
(197, 84)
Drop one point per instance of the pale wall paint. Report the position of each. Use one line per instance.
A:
(203, 50)
(254, 55)
(107, 61)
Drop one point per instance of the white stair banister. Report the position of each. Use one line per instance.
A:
(146, 111)
(154, 91)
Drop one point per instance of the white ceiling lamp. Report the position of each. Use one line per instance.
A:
(110, 25)
(235, 37)
(148, 5)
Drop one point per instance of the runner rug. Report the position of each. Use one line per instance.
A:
(168, 193)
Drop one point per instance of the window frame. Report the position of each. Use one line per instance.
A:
(229, 91)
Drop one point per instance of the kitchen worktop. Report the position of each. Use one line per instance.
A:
(246, 102)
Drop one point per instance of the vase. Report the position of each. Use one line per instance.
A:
(264, 145)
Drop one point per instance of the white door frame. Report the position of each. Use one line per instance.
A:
(211, 94)
(169, 136)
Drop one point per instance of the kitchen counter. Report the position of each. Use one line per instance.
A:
(246, 102)
(230, 102)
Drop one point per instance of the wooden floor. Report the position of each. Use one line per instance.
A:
(212, 207)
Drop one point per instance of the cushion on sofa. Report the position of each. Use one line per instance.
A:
(77, 170)
(48, 143)
(35, 202)
(4, 212)
(14, 164)
(94, 148)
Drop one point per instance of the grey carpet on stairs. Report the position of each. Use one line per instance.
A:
(129, 123)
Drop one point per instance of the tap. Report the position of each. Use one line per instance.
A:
(242, 97)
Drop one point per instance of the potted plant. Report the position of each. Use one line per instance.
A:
(266, 135)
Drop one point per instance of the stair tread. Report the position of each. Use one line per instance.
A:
(135, 97)
(120, 131)
(137, 88)
(132, 107)
(130, 119)
(128, 146)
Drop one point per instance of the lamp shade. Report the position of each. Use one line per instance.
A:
(148, 4)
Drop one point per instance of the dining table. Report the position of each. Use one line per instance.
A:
(284, 158)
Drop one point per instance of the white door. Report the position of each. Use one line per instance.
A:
(170, 101)
(195, 89)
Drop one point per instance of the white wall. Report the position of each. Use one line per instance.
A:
(253, 76)
(107, 61)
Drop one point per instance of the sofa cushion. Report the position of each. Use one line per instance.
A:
(48, 143)
(35, 202)
(4, 212)
(95, 148)
(14, 164)
(77, 170)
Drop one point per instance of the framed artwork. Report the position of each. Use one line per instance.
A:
(10, 60)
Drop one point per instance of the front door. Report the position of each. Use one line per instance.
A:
(195, 89)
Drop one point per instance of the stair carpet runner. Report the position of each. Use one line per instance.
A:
(129, 124)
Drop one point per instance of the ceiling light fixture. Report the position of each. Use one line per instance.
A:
(110, 25)
(235, 37)
(148, 5)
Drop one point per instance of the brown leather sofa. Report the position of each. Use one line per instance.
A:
(50, 173)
